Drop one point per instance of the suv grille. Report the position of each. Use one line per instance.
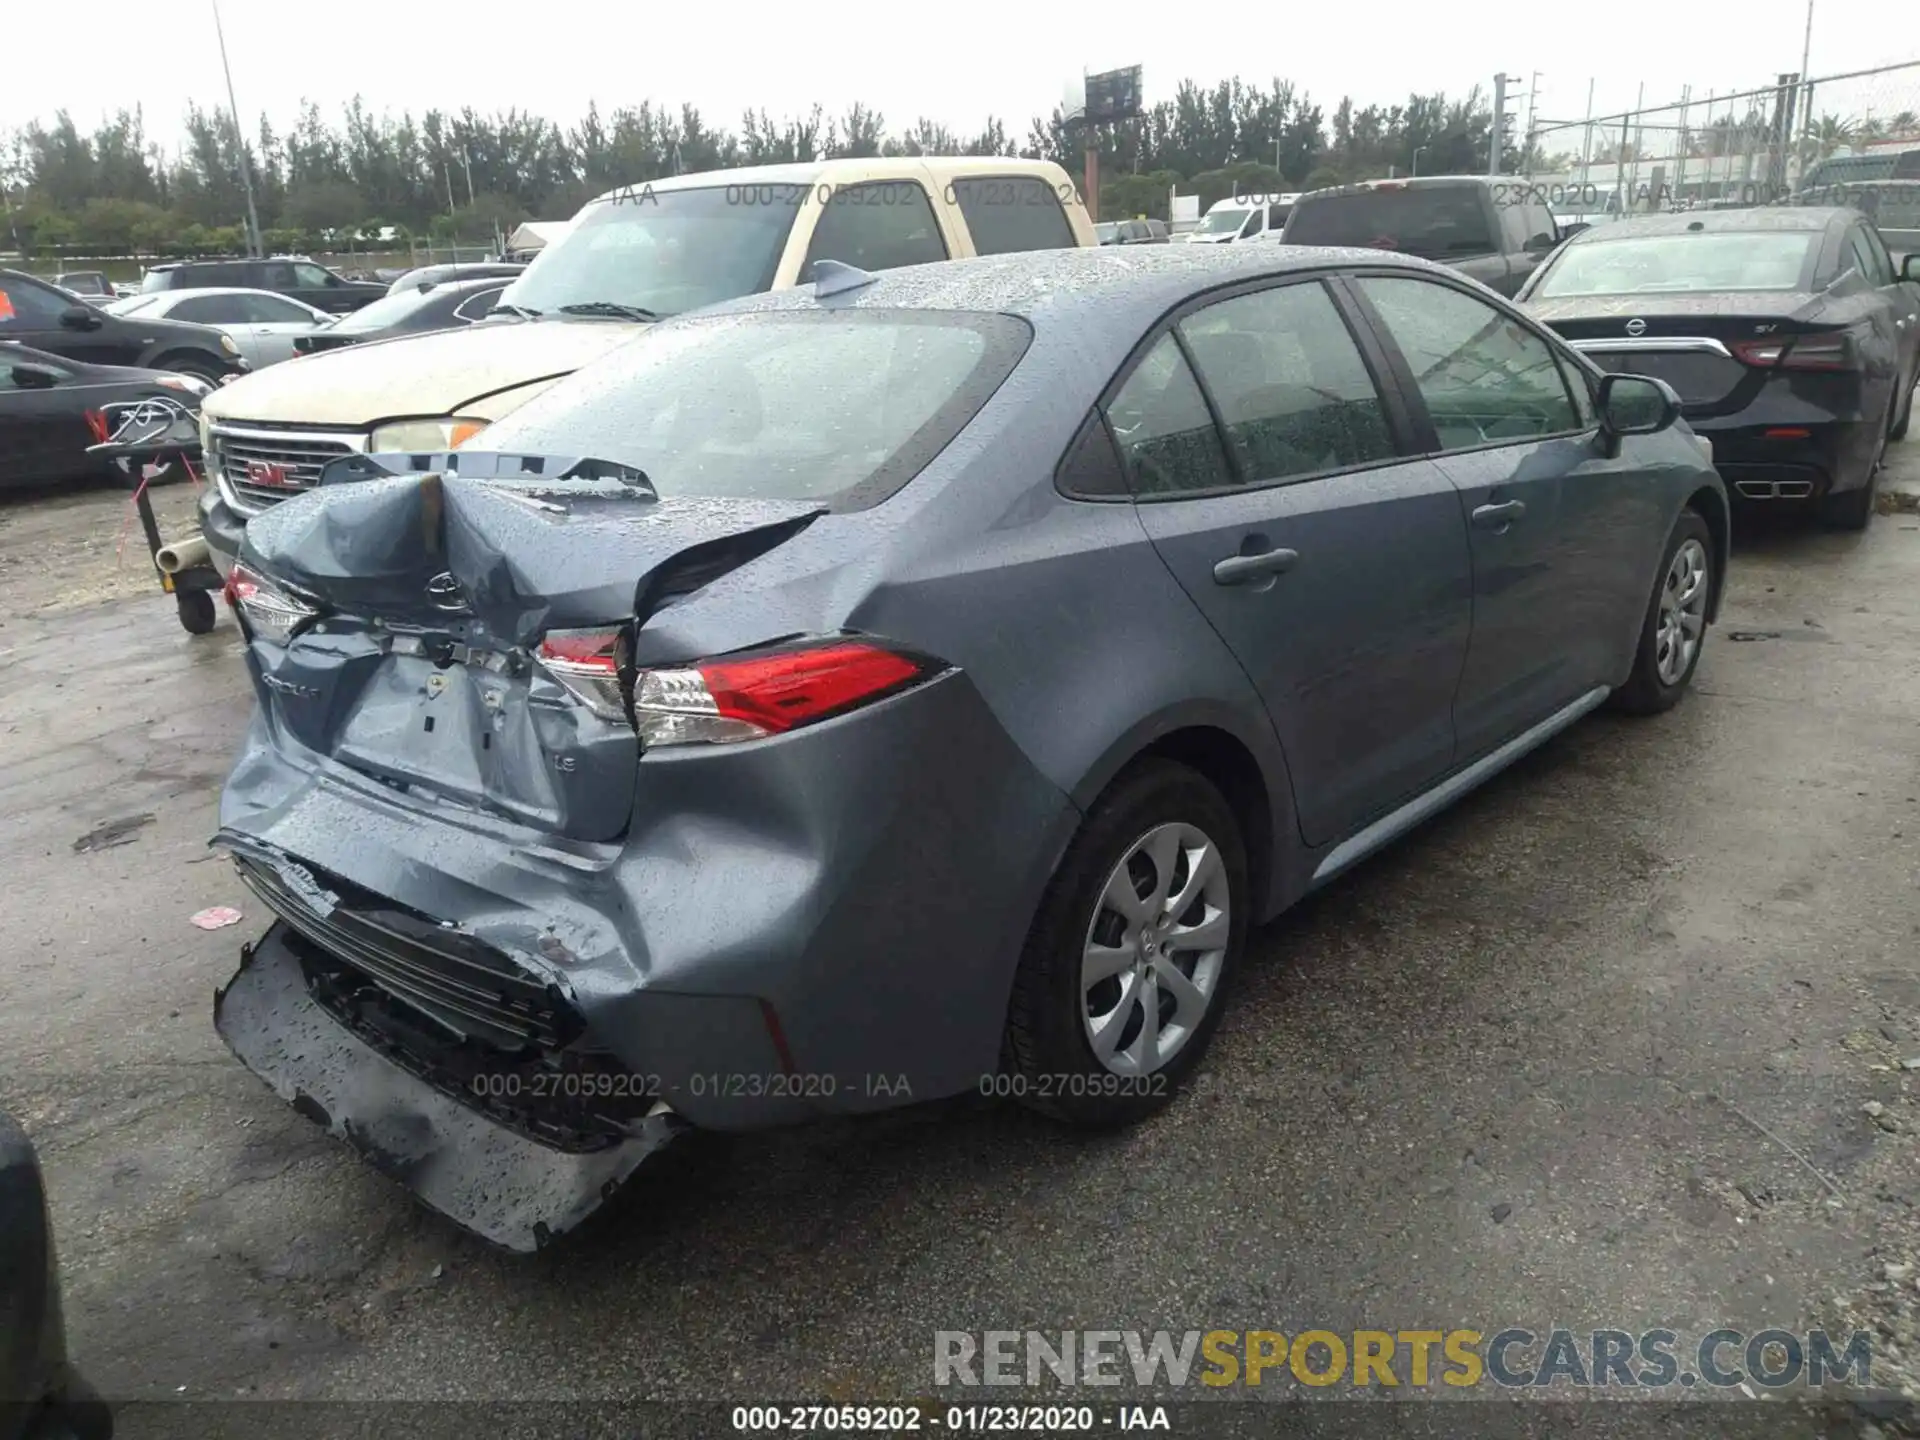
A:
(260, 467)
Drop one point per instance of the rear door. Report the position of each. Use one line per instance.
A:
(1902, 297)
(1561, 535)
(273, 322)
(1887, 358)
(30, 312)
(1335, 567)
(30, 427)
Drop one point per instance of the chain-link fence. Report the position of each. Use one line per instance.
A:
(1746, 147)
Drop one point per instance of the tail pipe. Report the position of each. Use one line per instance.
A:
(181, 555)
(1774, 489)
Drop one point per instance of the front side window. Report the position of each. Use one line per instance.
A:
(273, 310)
(1012, 213)
(212, 310)
(1166, 435)
(877, 226)
(1292, 391)
(1484, 376)
(312, 277)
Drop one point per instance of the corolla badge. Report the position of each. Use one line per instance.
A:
(444, 592)
(1636, 327)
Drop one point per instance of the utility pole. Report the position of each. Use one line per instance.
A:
(1586, 140)
(1533, 88)
(239, 138)
(1499, 120)
(466, 163)
(1806, 77)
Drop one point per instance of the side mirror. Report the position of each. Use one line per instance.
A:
(80, 317)
(1541, 244)
(34, 377)
(1635, 405)
(1909, 270)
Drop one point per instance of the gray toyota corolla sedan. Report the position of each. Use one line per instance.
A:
(911, 685)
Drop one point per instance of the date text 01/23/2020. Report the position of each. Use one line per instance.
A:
(953, 1419)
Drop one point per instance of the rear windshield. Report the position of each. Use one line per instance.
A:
(1429, 220)
(387, 310)
(665, 250)
(842, 408)
(1700, 260)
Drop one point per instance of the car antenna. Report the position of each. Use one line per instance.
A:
(831, 277)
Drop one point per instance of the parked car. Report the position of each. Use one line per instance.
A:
(631, 255)
(465, 270)
(42, 1396)
(35, 313)
(292, 275)
(417, 311)
(1132, 232)
(91, 285)
(1788, 335)
(906, 681)
(44, 402)
(1892, 205)
(1242, 217)
(1496, 231)
(1861, 169)
(263, 325)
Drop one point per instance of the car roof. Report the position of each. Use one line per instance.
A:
(186, 292)
(1104, 296)
(1754, 219)
(844, 171)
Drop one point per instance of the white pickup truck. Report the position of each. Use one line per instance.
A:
(632, 256)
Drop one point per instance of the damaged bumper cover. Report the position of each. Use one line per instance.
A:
(504, 1186)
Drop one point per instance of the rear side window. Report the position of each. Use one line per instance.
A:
(1166, 434)
(1292, 391)
(1435, 221)
(878, 226)
(1861, 255)
(212, 310)
(192, 277)
(478, 305)
(1907, 167)
(842, 407)
(1007, 214)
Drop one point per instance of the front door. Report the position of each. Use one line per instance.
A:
(1335, 568)
(1559, 531)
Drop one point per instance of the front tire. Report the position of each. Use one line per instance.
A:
(1125, 971)
(187, 363)
(1675, 630)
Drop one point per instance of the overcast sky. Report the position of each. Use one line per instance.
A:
(955, 64)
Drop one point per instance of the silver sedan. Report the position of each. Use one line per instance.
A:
(262, 323)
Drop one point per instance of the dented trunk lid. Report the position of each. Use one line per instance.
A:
(422, 671)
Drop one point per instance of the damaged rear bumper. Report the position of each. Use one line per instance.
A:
(501, 1184)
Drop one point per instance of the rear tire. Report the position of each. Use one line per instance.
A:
(1676, 612)
(1161, 831)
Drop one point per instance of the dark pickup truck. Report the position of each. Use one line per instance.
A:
(1493, 229)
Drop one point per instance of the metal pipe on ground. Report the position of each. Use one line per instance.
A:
(181, 555)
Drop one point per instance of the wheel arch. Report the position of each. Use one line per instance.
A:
(1248, 770)
(1710, 503)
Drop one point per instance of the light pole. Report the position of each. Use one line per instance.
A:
(239, 137)
(1418, 151)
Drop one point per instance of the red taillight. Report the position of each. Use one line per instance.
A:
(1798, 352)
(771, 693)
(1787, 432)
(587, 662)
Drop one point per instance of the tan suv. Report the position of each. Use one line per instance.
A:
(631, 256)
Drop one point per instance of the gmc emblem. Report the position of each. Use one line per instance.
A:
(265, 472)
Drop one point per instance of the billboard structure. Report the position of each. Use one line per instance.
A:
(1099, 100)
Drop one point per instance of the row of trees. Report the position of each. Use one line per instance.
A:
(117, 191)
(441, 175)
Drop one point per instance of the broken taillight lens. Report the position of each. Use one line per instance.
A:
(266, 611)
(587, 663)
(750, 696)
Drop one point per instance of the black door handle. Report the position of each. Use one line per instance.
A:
(1498, 517)
(1238, 569)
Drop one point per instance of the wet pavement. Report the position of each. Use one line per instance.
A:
(1570, 1055)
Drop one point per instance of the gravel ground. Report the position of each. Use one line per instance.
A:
(1590, 1050)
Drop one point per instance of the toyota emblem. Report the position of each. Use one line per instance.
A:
(445, 593)
(1636, 327)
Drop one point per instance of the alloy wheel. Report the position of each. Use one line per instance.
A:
(1155, 948)
(1683, 612)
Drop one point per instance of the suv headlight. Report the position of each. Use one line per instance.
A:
(226, 344)
(448, 432)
